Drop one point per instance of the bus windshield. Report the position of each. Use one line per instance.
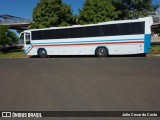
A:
(21, 39)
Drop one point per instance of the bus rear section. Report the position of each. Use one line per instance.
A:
(147, 35)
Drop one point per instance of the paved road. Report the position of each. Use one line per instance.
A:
(80, 84)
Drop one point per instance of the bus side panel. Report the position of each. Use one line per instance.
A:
(125, 49)
(116, 45)
(70, 50)
(118, 49)
(32, 51)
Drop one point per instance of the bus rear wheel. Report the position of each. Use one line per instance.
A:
(101, 52)
(42, 53)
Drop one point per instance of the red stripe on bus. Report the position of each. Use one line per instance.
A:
(90, 43)
(29, 50)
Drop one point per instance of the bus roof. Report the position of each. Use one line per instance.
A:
(102, 23)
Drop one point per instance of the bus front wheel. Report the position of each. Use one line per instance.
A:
(42, 53)
(101, 52)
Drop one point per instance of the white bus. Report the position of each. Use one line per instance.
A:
(121, 37)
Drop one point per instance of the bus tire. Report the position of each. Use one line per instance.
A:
(101, 52)
(42, 53)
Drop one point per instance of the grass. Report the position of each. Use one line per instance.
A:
(18, 53)
(155, 49)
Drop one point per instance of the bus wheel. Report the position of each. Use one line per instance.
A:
(42, 53)
(101, 52)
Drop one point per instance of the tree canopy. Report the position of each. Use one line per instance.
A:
(95, 11)
(7, 37)
(132, 9)
(51, 13)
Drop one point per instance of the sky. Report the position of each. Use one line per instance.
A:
(24, 8)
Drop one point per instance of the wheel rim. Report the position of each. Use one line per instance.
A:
(43, 52)
(101, 51)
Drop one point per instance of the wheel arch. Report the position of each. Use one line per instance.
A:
(41, 49)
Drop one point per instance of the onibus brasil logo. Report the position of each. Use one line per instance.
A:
(21, 114)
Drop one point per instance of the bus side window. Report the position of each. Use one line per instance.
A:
(91, 31)
(124, 29)
(137, 28)
(109, 30)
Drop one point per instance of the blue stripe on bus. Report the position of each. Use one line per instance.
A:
(88, 41)
(25, 51)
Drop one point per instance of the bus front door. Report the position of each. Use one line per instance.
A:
(27, 41)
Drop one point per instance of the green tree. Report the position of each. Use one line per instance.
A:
(132, 9)
(51, 13)
(3, 35)
(7, 37)
(11, 38)
(95, 11)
